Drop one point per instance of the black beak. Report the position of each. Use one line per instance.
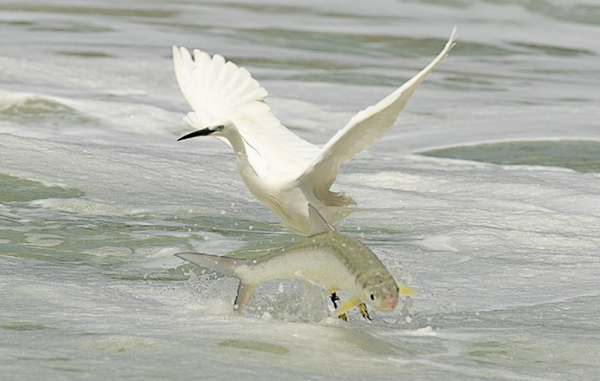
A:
(203, 132)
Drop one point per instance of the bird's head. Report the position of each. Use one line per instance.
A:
(221, 128)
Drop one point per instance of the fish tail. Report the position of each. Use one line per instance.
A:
(222, 265)
(245, 291)
(226, 266)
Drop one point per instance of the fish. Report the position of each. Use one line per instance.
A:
(327, 258)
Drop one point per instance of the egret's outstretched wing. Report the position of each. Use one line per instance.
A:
(365, 128)
(217, 89)
(213, 87)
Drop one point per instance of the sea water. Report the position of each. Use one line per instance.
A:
(484, 197)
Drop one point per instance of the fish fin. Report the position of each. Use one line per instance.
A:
(405, 290)
(244, 292)
(331, 290)
(222, 265)
(347, 305)
(363, 311)
(318, 224)
(306, 285)
(334, 299)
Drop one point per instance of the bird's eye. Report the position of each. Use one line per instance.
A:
(372, 296)
(220, 127)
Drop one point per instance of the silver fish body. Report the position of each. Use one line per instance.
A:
(328, 259)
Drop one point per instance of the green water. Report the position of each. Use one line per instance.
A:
(579, 155)
(38, 111)
(31, 228)
(13, 189)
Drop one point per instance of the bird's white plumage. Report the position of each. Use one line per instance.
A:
(216, 90)
(369, 125)
(282, 170)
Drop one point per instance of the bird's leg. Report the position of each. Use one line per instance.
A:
(363, 311)
(334, 300)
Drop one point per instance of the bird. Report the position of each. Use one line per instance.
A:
(327, 258)
(282, 170)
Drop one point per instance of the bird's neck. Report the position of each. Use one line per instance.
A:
(238, 144)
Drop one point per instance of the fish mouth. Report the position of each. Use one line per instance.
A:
(203, 132)
(388, 303)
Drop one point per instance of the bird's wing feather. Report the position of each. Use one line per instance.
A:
(217, 89)
(366, 127)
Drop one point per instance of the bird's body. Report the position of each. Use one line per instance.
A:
(327, 259)
(280, 169)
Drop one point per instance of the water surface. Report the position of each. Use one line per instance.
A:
(96, 195)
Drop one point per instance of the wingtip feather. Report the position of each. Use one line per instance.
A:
(213, 85)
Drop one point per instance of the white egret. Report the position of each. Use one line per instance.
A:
(280, 169)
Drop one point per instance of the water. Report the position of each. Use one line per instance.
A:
(96, 195)
(579, 155)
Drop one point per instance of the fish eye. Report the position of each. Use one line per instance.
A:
(374, 295)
